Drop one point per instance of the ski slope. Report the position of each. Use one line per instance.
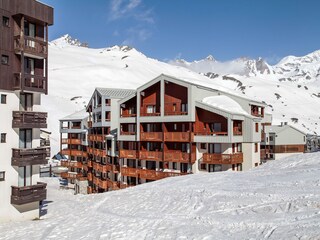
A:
(278, 200)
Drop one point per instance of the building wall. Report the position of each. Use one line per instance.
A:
(250, 157)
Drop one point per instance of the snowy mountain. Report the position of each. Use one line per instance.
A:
(277, 200)
(75, 70)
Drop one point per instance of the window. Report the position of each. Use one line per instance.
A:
(5, 21)
(256, 164)
(271, 138)
(256, 147)
(3, 99)
(2, 176)
(203, 146)
(3, 137)
(257, 127)
(4, 60)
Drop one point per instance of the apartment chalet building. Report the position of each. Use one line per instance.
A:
(171, 127)
(283, 140)
(103, 168)
(73, 143)
(23, 78)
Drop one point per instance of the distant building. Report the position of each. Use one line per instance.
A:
(73, 144)
(313, 143)
(23, 78)
(281, 141)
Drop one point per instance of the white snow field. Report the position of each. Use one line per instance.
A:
(278, 200)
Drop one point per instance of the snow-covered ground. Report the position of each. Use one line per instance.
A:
(278, 200)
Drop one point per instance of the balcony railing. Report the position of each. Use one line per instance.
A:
(125, 115)
(150, 155)
(28, 194)
(150, 113)
(133, 154)
(24, 119)
(151, 136)
(204, 133)
(178, 136)
(72, 175)
(147, 174)
(96, 137)
(73, 141)
(127, 133)
(178, 156)
(101, 183)
(73, 164)
(218, 158)
(31, 83)
(74, 152)
(30, 45)
(32, 156)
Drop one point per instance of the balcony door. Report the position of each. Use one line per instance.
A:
(25, 176)
(29, 65)
(214, 148)
(25, 138)
(26, 101)
(30, 31)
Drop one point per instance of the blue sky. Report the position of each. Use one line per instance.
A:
(193, 29)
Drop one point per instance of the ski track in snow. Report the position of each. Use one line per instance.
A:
(278, 200)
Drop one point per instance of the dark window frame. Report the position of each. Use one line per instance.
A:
(3, 138)
(3, 98)
(4, 59)
(3, 173)
(5, 21)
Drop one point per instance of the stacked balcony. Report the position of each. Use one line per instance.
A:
(25, 157)
(28, 194)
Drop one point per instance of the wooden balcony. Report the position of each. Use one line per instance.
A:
(178, 136)
(73, 141)
(71, 175)
(147, 174)
(101, 183)
(33, 47)
(30, 83)
(125, 115)
(204, 133)
(237, 131)
(73, 164)
(74, 152)
(155, 111)
(24, 119)
(218, 158)
(151, 136)
(96, 137)
(178, 156)
(151, 155)
(32, 156)
(133, 154)
(130, 172)
(103, 168)
(127, 133)
(156, 175)
(28, 194)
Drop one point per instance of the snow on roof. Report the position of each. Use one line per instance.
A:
(279, 128)
(225, 103)
(115, 92)
(82, 114)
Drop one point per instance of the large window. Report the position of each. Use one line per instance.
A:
(25, 138)
(26, 101)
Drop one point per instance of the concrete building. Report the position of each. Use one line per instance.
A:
(73, 144)
(23, 78)
(281, 141)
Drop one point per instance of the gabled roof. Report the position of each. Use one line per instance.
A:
(114, 92)
(80, 115)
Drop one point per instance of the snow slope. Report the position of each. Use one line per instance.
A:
(75, 71)
(278, 200)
